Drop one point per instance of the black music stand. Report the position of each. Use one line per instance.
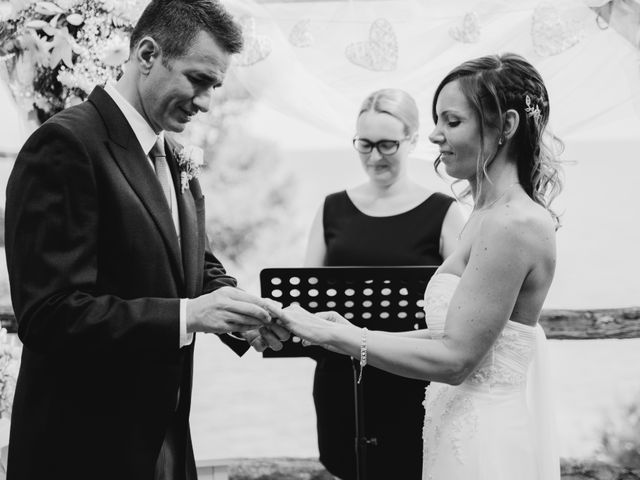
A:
(379, 298)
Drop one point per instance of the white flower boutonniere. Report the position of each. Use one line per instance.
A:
(190, 159)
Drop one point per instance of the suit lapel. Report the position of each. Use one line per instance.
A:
(133, 163)
(188, 223)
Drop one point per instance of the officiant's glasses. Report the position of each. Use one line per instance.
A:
(385, 147)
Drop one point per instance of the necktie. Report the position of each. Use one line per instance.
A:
(162, 169)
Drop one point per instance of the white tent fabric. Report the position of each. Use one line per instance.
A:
(594, 82)
(296, 60)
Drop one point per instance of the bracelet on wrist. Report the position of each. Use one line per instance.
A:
(363, 352)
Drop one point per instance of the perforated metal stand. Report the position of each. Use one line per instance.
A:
(379, 298)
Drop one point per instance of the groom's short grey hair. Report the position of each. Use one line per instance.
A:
(174, 24)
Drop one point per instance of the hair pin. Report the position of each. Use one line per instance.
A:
(532, 111)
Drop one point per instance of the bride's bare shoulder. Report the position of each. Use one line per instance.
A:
(522, 224)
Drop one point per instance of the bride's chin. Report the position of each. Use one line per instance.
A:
(455, 173)
(450, 171)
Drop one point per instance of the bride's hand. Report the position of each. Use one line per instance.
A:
(312, 329)
(334, 317)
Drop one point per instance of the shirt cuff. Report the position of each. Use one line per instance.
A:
(185, 338)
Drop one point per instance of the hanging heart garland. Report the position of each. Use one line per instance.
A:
(300, 35)
(380, 52)
(256, 47)
(552, 33)
(469, 29)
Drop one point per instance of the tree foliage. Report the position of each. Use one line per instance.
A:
(248, 191)
(620, 437)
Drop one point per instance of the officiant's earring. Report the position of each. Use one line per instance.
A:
(500, 141)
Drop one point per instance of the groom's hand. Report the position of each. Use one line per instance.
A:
(265, 337)
(226, 310)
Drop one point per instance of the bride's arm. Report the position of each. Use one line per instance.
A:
(499, 261)
(422, 333)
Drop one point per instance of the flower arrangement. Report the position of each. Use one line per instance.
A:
(190, 160)
(57, 51)
(9, 366)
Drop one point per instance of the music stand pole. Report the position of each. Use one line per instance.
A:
(361, 441)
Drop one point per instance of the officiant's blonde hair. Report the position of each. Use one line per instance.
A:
(397, 103)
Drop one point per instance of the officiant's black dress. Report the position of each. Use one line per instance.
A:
(393, 408)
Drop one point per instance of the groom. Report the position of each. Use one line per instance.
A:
(110, 269)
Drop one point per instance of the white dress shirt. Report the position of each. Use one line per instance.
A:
(147, 138)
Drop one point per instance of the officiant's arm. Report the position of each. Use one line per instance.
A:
(316, 252)
(501, 258)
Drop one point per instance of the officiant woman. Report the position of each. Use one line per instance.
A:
(386, 221)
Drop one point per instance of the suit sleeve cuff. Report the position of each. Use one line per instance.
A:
(185, 338)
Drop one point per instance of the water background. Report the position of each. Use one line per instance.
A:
(254, 407)
(263, 407)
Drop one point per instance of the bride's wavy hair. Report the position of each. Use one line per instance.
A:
(494, 84)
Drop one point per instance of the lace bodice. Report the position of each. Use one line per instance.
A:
(499, 422)
(507, 362)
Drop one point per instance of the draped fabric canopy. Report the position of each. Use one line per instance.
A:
(314, 62)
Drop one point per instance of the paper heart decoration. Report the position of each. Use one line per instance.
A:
(256, 47)
(469, 31)
(300, 35)
(551, 33)
(380, 52)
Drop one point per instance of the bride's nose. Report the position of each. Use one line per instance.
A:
(436, 136)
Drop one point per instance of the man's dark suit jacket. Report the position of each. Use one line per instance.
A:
(96, 274)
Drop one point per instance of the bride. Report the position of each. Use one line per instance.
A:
(488, 414)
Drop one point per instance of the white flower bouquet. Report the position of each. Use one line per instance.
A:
(9, 365)
(56, 52)
(190, 160)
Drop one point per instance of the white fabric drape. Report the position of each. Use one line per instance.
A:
(542, 411)
(594, 82)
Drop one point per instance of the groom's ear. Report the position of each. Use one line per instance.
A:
(147, 53)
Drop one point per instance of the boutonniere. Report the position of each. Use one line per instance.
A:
(190, 159)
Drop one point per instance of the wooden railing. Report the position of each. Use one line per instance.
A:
(618, 323)
(311, 469)
(591, 324)
(558, 324)
(8, 319)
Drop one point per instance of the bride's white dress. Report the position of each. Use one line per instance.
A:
(498, 424)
